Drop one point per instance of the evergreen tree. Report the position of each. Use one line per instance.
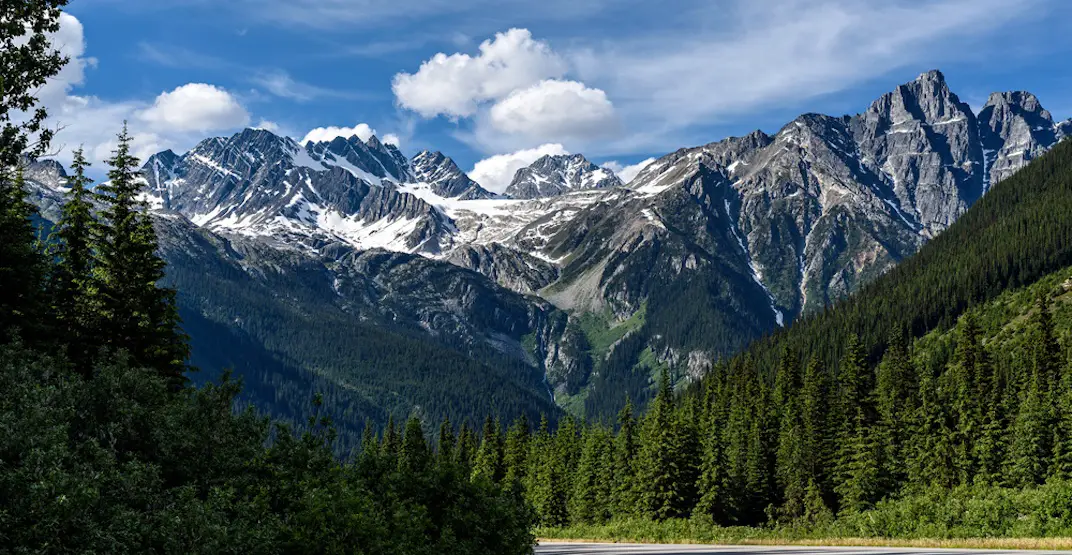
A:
(815, 407)
(665, 484)
(466, 447)
(712, 475)
(858, 465)
(69, 287)
(445, 445)
(414, 457)
(896, 400)
(137, 314)
(390, 443)
(625, 452)
(489, 457)
(792, 467)
(22, 266)
(590, 500)
(369, 443)
(516, 452)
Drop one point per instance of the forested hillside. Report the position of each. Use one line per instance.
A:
(105, 447)
(855, 409)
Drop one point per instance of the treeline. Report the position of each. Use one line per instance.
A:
(807, 445)
(104, 445)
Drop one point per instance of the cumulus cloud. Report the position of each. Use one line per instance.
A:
(267, 125)
(554, 109)
(627, 173)
(176, 119)
(455, 85)
(392, 139)
(325, 134)
(496, 172)
(195, 107)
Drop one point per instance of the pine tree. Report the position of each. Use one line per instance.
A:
(711, 484)
(369, 444)
(466, 447)
(792, 470)
(137, 314)
(896, 400)
(859, 458)
(489, 457)
(625, 452)
(590, 500)
(445, 445)
(516, 451)
(815, 407)
(665, 483)
(69, 287)
(414, 457)
(390, 443)
(22, 266)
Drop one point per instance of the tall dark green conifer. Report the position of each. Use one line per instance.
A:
(488, 464)
(70, 285)
(413, 457)
(22, 266)
(137, 313)
(625, 452)
(516, 451)
(859, 463)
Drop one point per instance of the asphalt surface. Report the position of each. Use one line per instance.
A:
(637, 549)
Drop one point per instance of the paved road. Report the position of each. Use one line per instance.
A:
(635, 549)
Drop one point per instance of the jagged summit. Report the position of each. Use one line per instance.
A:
(444, 177)
(553, 175)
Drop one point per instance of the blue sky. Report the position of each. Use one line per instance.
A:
(504, 80)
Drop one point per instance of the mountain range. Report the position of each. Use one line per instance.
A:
(400, 284)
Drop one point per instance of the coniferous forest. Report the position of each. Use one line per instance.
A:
(104, 445)
(936, 402)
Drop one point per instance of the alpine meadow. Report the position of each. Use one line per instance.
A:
(236, 319)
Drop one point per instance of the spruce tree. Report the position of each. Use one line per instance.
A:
(138, 315)
(792, 469)
(711, 486)
(665, 483)
(369, 444)
(858, 468)
(413, 457)
(896, 400)
(590, 499)
(69, 285)
(466, 448)
(488, 464)
(445, 445)
(817, 439)
(22, 266)
(390, 443)
(625, 452)
(516, 451)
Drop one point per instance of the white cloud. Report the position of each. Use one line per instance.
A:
(325, 134)
(553, 109)
(280, 83)
(267, 125)
(195, 107)
(765, 55)
(177, 119)
(496, 172)
(627, 173)
(392, 139)
(457, 84)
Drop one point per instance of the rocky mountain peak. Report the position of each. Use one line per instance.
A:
(553, 175)
(444, 177)
(46, 172)
(1015, 129)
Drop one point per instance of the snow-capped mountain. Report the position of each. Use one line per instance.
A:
(553, 175)
(444, 178)
(705, 249)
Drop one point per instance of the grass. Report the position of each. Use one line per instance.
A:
(689, 532)
(602, 332)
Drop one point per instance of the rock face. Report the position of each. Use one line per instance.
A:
(1015, 129)
(554, 175)
(257, 183)
(445, 178)
(706, 249)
